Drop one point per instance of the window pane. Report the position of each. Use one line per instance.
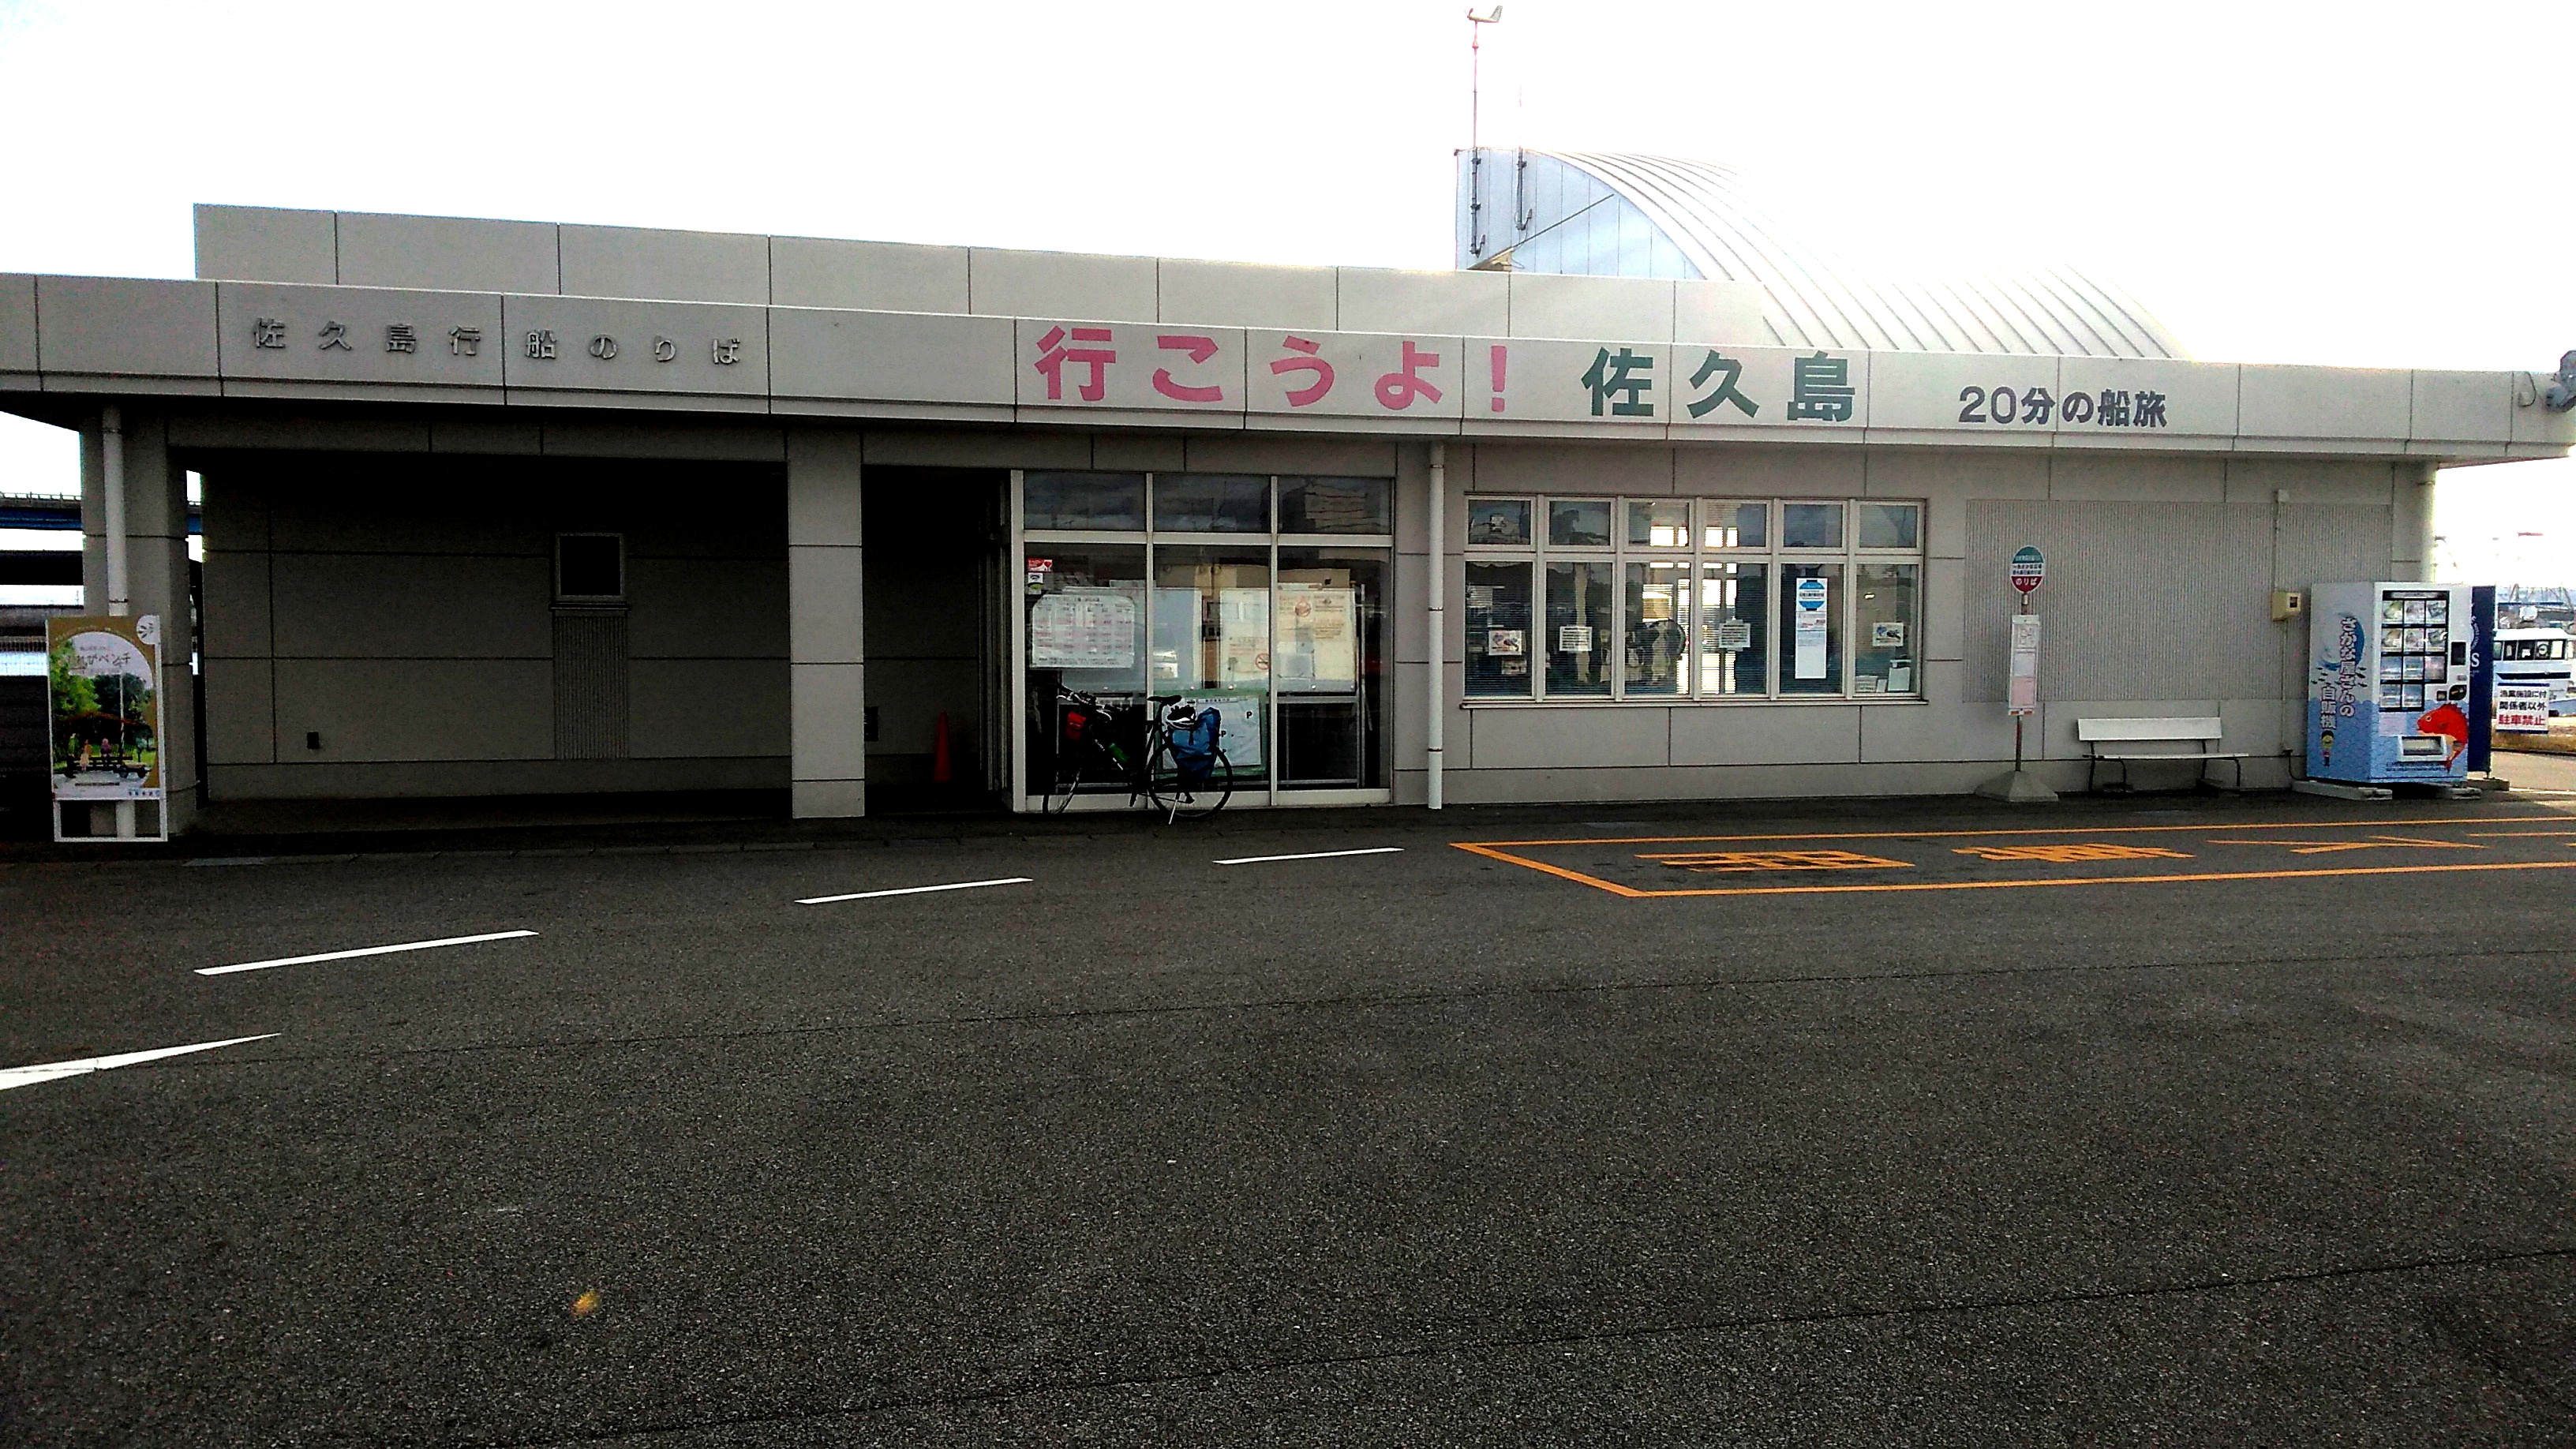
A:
(1734, 640)
(1889, 525)
(1331, 667)
(1498, 629)
(1084, 500)
(1883, 648)
(1811, 525)
(1579, 522)
(1212, 643)
(1498, 521)
(1655, 648)
(1658, 523)
(1578, 627)
(1212, 503)
(1086, 631)
(1336, 505)
(1811, 610)
(1735, 525)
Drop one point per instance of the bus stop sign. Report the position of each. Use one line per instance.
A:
(2028, 569)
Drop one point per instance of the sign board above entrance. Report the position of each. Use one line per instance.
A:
(111, 336)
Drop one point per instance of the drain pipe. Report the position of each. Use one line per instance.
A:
(111, 454)
(1438, 574)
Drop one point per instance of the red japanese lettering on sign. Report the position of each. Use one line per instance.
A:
(1053, 355)
(1398, 389)
(1320, 371)
(1200, 349)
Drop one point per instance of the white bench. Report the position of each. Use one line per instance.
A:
(2201, 735)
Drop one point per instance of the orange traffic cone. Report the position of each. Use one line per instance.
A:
(940, 772)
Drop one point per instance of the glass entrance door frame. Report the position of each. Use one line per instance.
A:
(1269, 794)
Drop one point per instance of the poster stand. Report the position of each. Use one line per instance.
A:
(103, 728)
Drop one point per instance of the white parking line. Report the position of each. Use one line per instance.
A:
(49, 1071)
(364, 951)
(1314, 855)
(963, 885)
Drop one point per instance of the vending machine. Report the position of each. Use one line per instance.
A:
(2389, 673)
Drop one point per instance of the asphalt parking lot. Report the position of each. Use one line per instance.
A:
(2180, 1120)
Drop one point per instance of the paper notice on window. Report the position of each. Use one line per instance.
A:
(1083, 628)
(1809, 606)
(1318, 638)
(1243, 624)
(1574, 639)
(1735, 635)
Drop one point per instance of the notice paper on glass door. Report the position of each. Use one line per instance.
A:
(1810, 632)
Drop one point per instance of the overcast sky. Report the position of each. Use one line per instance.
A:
(2366, 185)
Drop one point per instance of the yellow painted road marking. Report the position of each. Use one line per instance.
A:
(2071, 853)
(2376, 842)
(1719, 861)
(2063, 830)
(1632, 893)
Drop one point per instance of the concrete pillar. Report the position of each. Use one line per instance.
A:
(826, 645)
(156, 527)
(2410, 548)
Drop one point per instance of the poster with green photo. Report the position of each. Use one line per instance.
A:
(103, 687)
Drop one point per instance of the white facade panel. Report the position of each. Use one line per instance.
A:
(890, 355)
(1239, 294)
(2324, 402)
(267, 244)
(1462, 304)
(126, 326)
(447, 253)
(17, 324)
(878, 276)
(686, 266)
(1719, 312)
(2472, 407)
(1553, 306)
(1060, 284)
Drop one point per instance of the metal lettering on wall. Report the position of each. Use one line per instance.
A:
(1279, 376)
(596, 352)
(2031, 407)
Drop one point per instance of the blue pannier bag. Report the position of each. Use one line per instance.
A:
(1194, 746)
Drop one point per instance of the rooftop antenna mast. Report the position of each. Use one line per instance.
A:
(1475, 151)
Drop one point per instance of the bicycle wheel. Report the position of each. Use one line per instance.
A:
(1189, 794)
(1069, 774)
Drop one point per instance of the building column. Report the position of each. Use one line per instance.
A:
(2410, 547)
(156, 566)
(826, 646)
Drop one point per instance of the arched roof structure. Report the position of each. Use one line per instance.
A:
(1604, 214)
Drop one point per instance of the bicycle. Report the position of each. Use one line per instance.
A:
(1162, 747)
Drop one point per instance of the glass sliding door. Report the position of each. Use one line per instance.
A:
(1084, 629)
(1331, 667)
(1212, 643)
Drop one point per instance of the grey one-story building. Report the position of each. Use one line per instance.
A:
(522, 508)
